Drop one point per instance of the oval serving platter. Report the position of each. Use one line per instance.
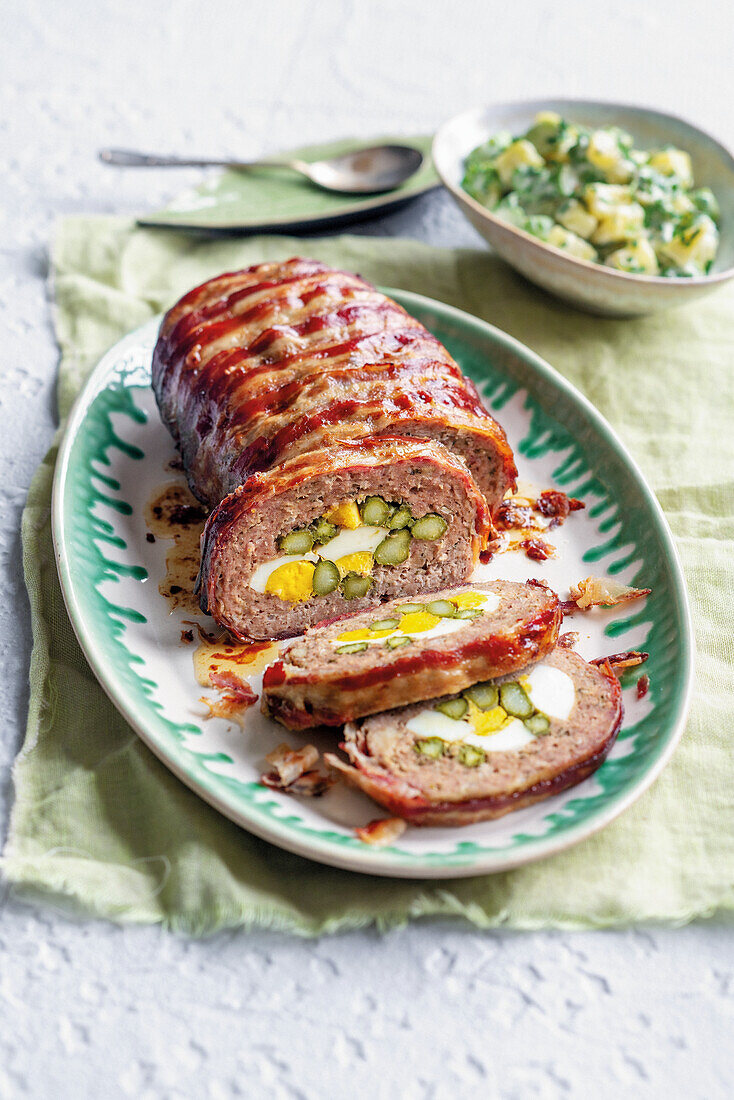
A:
(113, 460)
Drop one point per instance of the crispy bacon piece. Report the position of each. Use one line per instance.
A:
(383, 832)
(604, 592)
(536, 549)
(521, 512)
(557, 506)
(537, 583)
(232, 684)
(236, 696)
(312, 784)
(293, 771)
(643, 686)
(620, 661)
(568, 640)
(289, 764)
(511, 514)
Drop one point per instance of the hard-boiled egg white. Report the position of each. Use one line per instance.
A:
(360, 540)
(551, 691)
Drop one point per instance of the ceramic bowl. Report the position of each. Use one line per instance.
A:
(591, 286)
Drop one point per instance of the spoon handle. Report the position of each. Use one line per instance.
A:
(127, 158)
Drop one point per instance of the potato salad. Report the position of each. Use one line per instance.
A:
(592, 194)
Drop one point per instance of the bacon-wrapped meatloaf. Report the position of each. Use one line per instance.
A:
(414, 650)
(257, 366)
(346, 457)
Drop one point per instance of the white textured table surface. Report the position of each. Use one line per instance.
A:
(90, 1010)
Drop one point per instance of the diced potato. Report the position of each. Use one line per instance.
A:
(552, 137)
(681, 204)
(601, 198)
(673, 162)
(569, 242)
(621, 224)
(605, 154)
(548, 117)
(692, 249)
(574, 216)
(566, 141)
(637, 257)
(519, 153)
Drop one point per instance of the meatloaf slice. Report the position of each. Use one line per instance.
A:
(428, 779)
(246, 533)
(403, 652)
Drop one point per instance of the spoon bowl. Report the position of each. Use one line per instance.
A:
(366, 171)
(369, 171)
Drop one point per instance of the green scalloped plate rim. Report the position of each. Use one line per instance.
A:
(228, 195)
(519, 368)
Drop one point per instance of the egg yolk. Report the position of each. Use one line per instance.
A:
(360, 635)
(346, 515)
(292, 582)
(361, 562)
(487, 721)
(416, 621)
(468, 599)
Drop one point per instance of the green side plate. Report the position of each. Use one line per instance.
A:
(279, 200)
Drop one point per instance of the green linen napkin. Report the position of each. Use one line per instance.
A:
(101, 824)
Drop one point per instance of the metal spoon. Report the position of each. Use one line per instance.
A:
(364, 172)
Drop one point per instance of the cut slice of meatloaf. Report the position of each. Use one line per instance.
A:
(406, 651)
(264, 548)
(257, 366)
(433, 765)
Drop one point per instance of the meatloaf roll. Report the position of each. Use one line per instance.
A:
(404, 652)
(335, 531)
(496, 747)
(258, 366)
